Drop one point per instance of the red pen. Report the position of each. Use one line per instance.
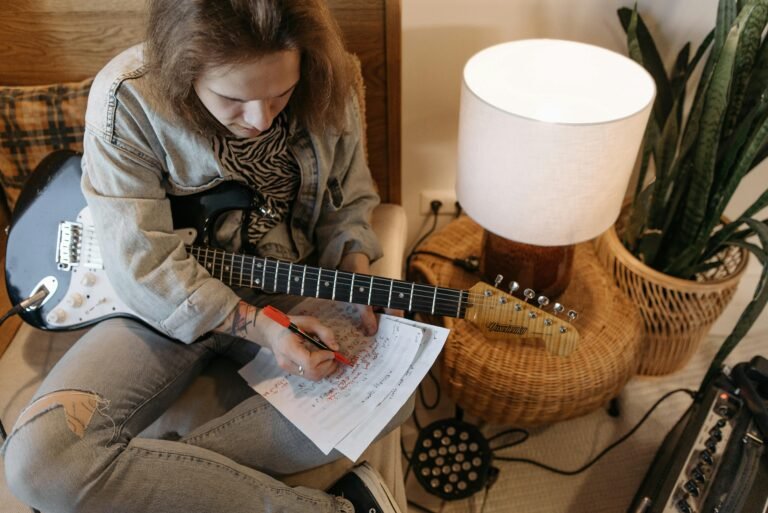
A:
(283, 320)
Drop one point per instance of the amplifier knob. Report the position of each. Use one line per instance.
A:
(716, 433)
(698, 474)
(683, 506)
(706, 457)
(720, 423)
(690, 487)
(711, 444)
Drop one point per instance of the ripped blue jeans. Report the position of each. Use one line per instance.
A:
(75, 447)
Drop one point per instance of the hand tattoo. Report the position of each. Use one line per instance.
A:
(243, 316)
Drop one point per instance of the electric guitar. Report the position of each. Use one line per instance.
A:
(53, 248)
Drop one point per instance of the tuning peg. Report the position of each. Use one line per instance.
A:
(572, 315)
(498, 280)
(558, 308)
(513, 287)
(543, 301)
(529, 294)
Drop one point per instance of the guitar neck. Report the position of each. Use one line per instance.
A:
(271, 275)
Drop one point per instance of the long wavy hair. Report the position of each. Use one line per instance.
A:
(187, 37)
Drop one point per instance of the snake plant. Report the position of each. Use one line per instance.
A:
(700, 154)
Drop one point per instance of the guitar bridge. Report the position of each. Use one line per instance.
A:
(76, 245)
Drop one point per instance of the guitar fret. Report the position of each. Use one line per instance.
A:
(458, 306)
(290, 270)
(335, 275)
(319, 279)
(351, 287)
(264, 274)
(370, 289)
(253, 266)
(277, 270)
(434, 299)
(410, 300)
(389, 298)
(303, 275)
(215, 258)
(242, 265)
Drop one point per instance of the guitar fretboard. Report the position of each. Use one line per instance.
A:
(272, 275)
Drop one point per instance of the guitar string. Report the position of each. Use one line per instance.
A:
(220, 258)
(343, 277)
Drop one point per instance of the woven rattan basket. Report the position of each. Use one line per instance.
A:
(519, 383)
(677, 314)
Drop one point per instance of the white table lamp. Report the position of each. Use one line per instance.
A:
(549, 132)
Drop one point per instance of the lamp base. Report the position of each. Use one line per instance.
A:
(545, 269)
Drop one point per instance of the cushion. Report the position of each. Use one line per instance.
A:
(34, 121)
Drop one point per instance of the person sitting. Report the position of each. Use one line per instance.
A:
(258, 92)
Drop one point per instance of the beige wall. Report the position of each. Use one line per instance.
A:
(440, 35)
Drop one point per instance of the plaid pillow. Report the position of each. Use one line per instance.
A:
(34, 121)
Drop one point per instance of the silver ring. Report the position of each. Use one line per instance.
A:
(301, 370)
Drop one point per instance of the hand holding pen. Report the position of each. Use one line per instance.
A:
(283, 320)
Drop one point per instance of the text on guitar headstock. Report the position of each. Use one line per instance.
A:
(499, 315)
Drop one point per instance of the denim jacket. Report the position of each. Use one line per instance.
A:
(134, 156)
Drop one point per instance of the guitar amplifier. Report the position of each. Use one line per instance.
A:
(714, 460)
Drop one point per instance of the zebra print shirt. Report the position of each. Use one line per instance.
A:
(265, 164)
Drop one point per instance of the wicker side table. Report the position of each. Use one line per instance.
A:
(519, 383)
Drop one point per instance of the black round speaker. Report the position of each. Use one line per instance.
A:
(451, 459)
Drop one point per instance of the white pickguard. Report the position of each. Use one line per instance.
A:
(90, 295)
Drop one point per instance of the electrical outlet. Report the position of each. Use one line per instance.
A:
(446, 196)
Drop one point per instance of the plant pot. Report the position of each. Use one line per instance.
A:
(677, 314)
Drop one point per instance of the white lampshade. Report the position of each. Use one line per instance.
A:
(548, 136)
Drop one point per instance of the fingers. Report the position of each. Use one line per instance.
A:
(294, 357)
(368, 322)
(312, 325)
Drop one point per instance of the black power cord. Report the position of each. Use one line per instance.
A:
(470, 263)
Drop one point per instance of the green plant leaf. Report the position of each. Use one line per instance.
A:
(732, 147)
(758, 81)
(639, 35)
(726, 14)
(677, 81)
(752, 310)
(705, 154)
(638, 217)
(749, 44)
(727, 11)
(727, 232)
(757, 140)
(664, 158)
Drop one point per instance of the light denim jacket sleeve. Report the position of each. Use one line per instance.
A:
(350, 196)
(145, 261)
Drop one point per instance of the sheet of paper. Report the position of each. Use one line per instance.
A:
(353, 445)
(326, 411)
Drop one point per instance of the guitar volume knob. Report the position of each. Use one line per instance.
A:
(88, 280)
(75, 300)
(56, 316)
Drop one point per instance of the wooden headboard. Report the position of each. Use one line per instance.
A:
(51, 41)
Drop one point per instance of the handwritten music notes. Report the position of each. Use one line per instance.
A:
(350, 408)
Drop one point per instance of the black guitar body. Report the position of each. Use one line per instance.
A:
(52, 194)
(31, 249)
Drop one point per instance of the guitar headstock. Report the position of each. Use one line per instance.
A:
(500, 315)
